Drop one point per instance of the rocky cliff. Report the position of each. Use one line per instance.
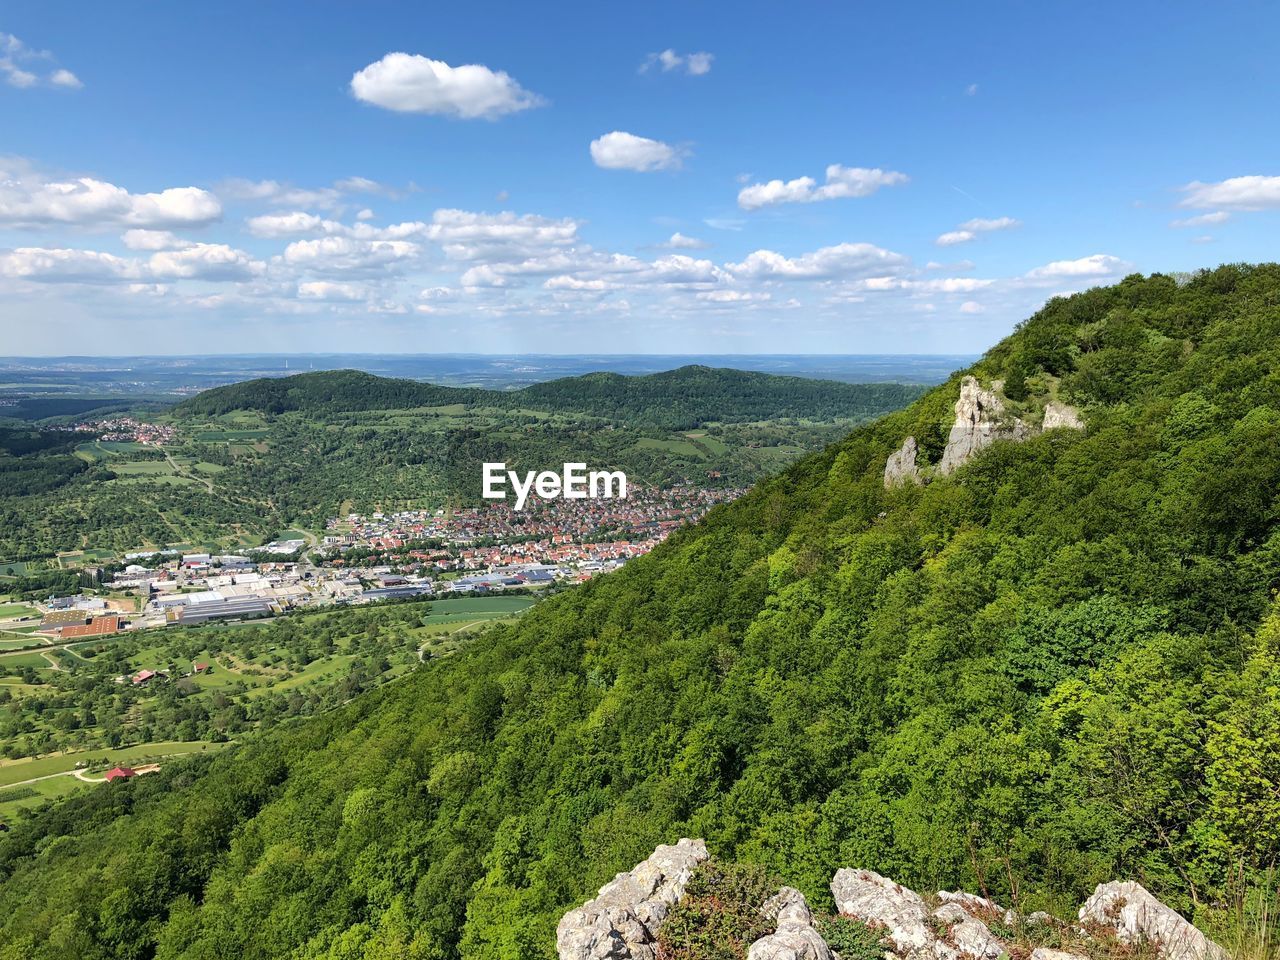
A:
(981, 418)
(1121, 920)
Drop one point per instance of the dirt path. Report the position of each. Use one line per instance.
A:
(208, 484)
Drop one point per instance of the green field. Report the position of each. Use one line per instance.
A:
(28, 768)
(131, 468)
(37, 794)
(10, 610)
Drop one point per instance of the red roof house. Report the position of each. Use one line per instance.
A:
(120, 773)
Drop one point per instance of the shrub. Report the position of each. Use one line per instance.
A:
(719, 916)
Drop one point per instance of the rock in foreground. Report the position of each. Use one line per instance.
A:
(1138, 917)
(622, 922)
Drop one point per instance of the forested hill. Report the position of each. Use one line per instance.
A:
(677, 399)
(1056, 666)
(692, 395)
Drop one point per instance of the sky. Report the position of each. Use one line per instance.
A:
(615, 178)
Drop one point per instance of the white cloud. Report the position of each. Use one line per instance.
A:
(29, 199)
(410, 83)
(970, 229)
(18, 63)
(841, 182)
(694, 64)
(1237, 193)
(971, 90)
(467, 235)
(65, 78)
(842, 260)
(679, 241)
(365, 214)
(1097, 265)
(327, 290)
(971, 306)
(346, 254)
(733, 296)
(205, 261)
(1203, 220)
(285, 224)
(625, 151)
(66, 266)
(566, 282)
(153, 240)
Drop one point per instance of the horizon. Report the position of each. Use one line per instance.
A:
(486, 181)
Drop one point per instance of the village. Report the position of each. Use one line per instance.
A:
(363, 559)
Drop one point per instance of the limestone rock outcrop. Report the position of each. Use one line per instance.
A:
(1061, 416)
(952, 931)
(874, 899)
(1137, 917)
(796, 938)
(623, 920)
(901, 466)
(980, 422)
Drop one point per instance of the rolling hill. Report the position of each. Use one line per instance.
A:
(1051, 664)
(684, 398)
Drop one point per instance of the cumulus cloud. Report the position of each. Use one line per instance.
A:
(841, 182)
(841, 260)
(1237, 193)
(970, 229)
(279, 194)
(153, 240)
(328, 290)
(694, 64)
(625, 151)
(204, 261)
(410, 83)
(733, 296)
(679, 241)
(29, 199)
(1203, 220)
(19, 63)
(347, 254)
(65, 265)
(971, 306)
(1097, 265)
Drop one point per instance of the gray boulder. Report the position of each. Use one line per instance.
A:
(874, 899)
(901, 466)
(795, 937)
(1048, 953)
(1137, 917)
(967, 934)
(623, 920)
(1061, 416)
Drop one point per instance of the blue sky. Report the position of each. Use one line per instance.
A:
(685, 177)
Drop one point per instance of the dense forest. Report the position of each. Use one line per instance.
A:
(678, 399)
(1058, 666)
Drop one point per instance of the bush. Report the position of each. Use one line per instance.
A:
(719, 916)
(851, 938)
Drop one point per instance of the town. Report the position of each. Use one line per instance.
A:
(363, 559)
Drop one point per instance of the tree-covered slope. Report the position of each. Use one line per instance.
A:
(682, 398)
(1056, 666)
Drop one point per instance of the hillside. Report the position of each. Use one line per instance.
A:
(1049, 667)
(678, 399)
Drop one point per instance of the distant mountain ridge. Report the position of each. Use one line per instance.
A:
(688, 396)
